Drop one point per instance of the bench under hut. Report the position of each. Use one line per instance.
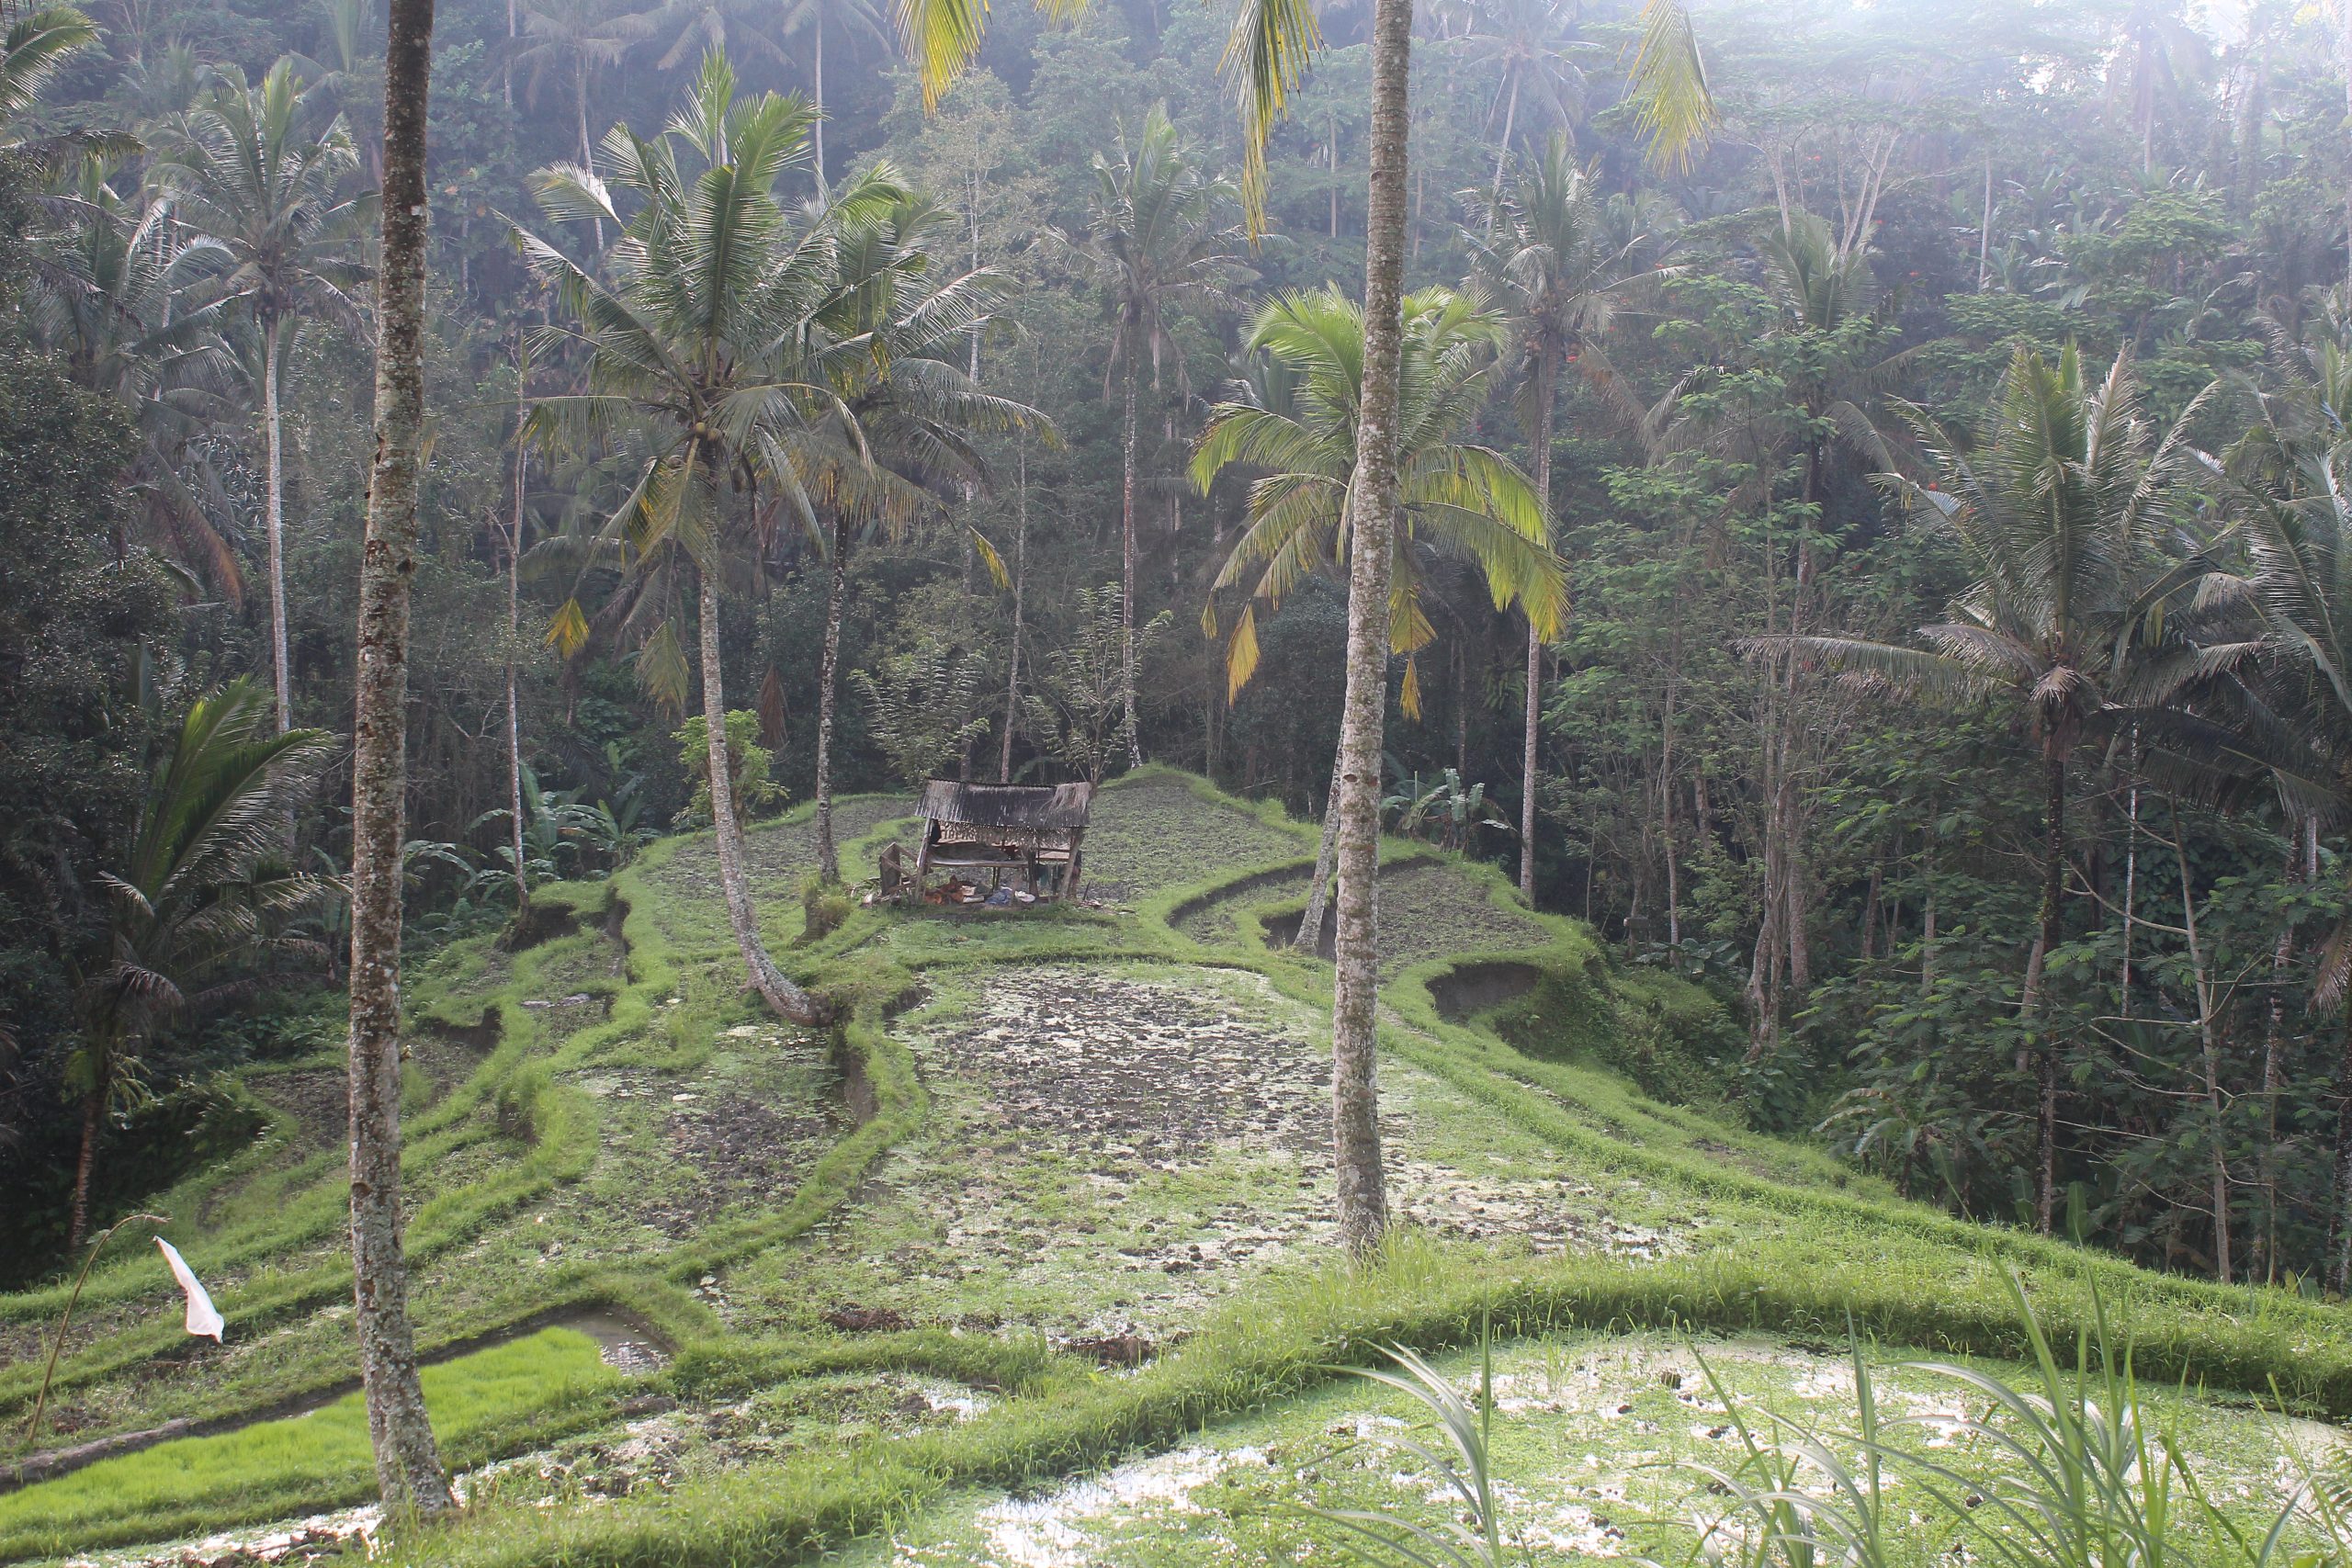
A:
(1023, 837)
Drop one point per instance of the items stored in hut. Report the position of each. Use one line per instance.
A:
(1001, 844)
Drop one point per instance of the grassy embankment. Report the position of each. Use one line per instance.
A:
(528, 1166)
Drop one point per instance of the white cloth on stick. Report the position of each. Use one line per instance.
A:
(203, 1318)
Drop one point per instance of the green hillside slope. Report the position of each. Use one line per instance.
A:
(914, 1262)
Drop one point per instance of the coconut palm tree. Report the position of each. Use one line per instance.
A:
(902, 417)
(696, 354)
(198, 900)
(130, 305)
(2277, 706)
(573, 36)
(858, 19)
(1158, 239)
(1528, 45)
(253, 170)
(34, 46)
(1454, 498)
(689, 30)
(1556, 257)
(2062, 517)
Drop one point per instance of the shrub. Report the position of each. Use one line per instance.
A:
(748, 766)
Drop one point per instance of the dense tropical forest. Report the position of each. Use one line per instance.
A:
(1848, 495)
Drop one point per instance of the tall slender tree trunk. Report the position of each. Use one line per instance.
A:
(1985, 231)
(1510, 117)
(2209, 1028)
(94, 1105)
(2339, 1229)
(408, 1462)
(274, 503)
(1127, 572)
(587, 152)
(1355, 994)
(2054, 890)
(1927, 938)
(1319, 890)
(2302, 866)
(1332, 126)
(828, 861)
(817, 56)
(786, 1000)
(1665, 821)
(2130, 885)
(513, 637)
(1539, 441)
(1020, 593)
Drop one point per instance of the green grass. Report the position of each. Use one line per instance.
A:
(528, 1389)
(528, 1170)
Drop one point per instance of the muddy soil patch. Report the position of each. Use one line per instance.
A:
(1112, 1152)
(1097, 1061)
(737, 1135)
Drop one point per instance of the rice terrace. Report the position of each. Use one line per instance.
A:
(1175, 784)
(1021, 1265)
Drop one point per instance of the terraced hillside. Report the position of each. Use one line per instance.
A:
(1028, 1263)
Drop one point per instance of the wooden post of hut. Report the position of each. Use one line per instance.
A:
(1029, 832)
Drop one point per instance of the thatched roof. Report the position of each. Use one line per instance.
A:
(1032, 806)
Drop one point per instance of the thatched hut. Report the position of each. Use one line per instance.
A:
(1026, 837)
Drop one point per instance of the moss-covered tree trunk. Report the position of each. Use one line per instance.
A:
(1539, 441)
(1127, 572)
(786, 999)
(274, 511)
(1355, 995)
(828, 679)
(408, 1464)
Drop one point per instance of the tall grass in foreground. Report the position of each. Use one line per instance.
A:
(2085, 1473)
(1466, 1471)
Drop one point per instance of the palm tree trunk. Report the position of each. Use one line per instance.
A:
(1020, 591)
(1127, 572)
(1539, 441)
(2053, 888)
(1666, 823)
(1502, 151)
(2306, 843)
(828, 863)
(1332, 126)
(2339, 1237)
(1355, 995)
(513, 707)
(587, 152)
(786, 1000)
(93, 1113)
(1319, 891)
(407, 1462)
(2209, 1030)
(274, 503)
(1985, 231)
(817, 54)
